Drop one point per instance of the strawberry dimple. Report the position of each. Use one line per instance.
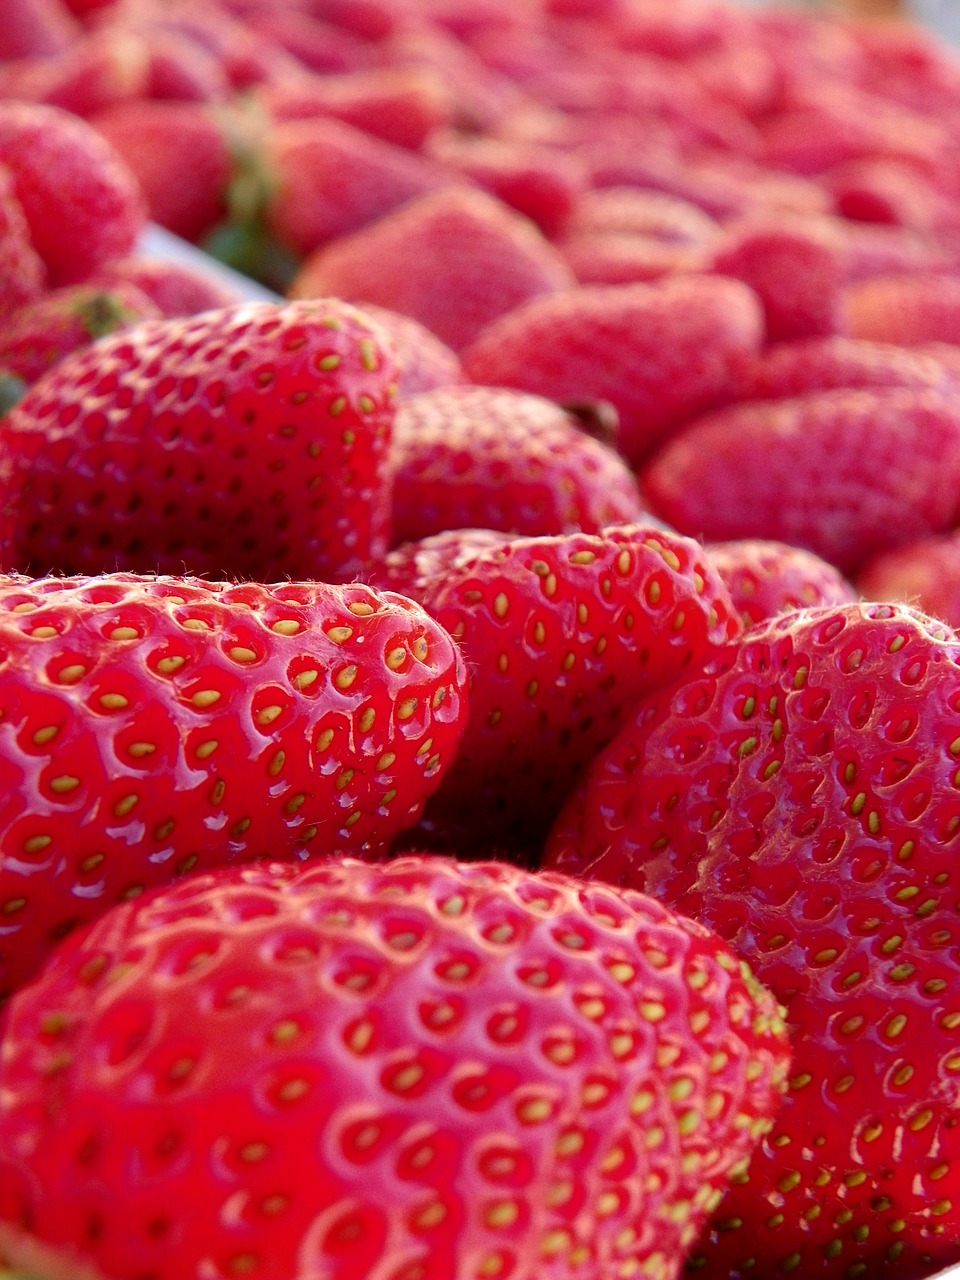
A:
(152, 726)
(247, 442)
(413, 1068)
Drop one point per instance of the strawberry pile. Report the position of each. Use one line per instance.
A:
(480, 734)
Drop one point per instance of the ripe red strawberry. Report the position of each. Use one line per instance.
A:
(823, 364)
(329, 178)
(246, 442)
(41, 333)
(21, 269)
(766, 578)
(659, 353)
(909, 310)
(413, 1069)
(454, 260)
(561, 636)
(424, 361)
(800, 797)
(80, 201)
(924, 573)
(486, 457)
(844, 473)
(611, 257)
(182, 156)
(35, 28)
(151, 726)
(99, 70)
(176, 288)
(415, 568)
(631, 211)
(794, 265)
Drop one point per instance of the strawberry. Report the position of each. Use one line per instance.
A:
(614, 258)
(630, 211)
(823, 364)
(329, 178)
(493, 458)
(415, 1069)
(424, 361)
(659, 353)
(155, 725)
(176, 288)
(908, 310)
(246, 442)
(80, 201)
(766, 578)
(98, 71)
(181, 153)
(416, 568)
(561, 635)
(318, 46)
(794, 265)
(924, 573)
(182, 70)
(66, 320)
(22, 271)
(844, 473)
(454, 260)
(799, 796)
(35, 28)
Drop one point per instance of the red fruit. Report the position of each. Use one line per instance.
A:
(492, 458)
(924, 573)
(653, 214)
(318, 46)
(330, 178)
(614, 258)
(21, 269)
(799, 796)
(794, 265)
(843, 473)
(154, 726)
(97, 72)
(182, 70)
(424, 361)
(35, 29)
(823, 364)
(176, 288)
(181, 155)
(561, 636)
(356, 1071)
(767, 578)
(908, 310)
(400, 105)
(885, 191)
(246, 442)
(41, 333)
(80, 200)
(415, 568)
(659, 353)
(454, 260)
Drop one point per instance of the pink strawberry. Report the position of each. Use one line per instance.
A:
(455, 260)
(909, 310)
(35, 28)
(794, 265)
(41, 333)
(80, 200)
(246, 442)
(561, 635)
(493, 458)
(154, 725)
(176, 288)
(613, 258)
(316, 45)
(844, 473)
(98, 71)
(631, 211)
(659, 353)
(183, 71)
(766, 578)
(799, 796)
(22, 271)
(415, 1069)
(823, 364)
(424, 361)
(330, 178)
(924, 573)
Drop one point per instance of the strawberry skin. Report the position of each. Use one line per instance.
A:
(246, 442)
(561, 635)
(22, 273)
(152, 725)
(660, 353)
(924, 573)
(800, 797)
(844, 473)
(499, 459)
(424, 361)
(416, 1069)
(795, 368)
(765, 578)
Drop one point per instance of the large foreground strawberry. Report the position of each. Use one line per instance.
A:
(245, 442)
(152, 726)
(412, 1070)
(802, 797)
